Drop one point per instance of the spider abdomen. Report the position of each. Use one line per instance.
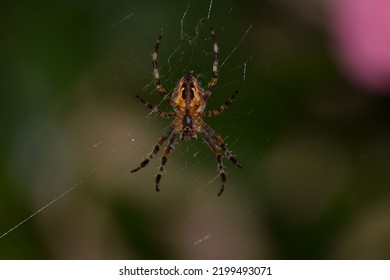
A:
(187, 93)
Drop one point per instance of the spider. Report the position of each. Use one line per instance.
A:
(188, 101)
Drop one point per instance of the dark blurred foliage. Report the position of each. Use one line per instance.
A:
(314, 145)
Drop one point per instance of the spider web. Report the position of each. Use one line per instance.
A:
(107, 140)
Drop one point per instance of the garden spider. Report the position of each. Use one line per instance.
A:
(188, 101)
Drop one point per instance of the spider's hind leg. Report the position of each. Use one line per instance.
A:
(156, 73)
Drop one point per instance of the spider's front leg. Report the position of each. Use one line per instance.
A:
(164, 159)
(210, 142)
(221, 144)
(167, 133)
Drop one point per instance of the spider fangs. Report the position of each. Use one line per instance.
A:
(188, 101)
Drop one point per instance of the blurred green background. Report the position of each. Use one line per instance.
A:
(315, 147)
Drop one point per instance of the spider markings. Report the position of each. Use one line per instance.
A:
(188, 101)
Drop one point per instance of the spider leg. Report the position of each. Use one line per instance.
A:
(210, 142)
(221, 144)
(154, 108)
(222, 108)
(168, 148)
(156, 72)
(167, 133)
(214, 79)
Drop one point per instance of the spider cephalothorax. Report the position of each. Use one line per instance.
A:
(188, 101)
(188, 132)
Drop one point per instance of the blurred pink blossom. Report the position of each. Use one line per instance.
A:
(361, 41)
